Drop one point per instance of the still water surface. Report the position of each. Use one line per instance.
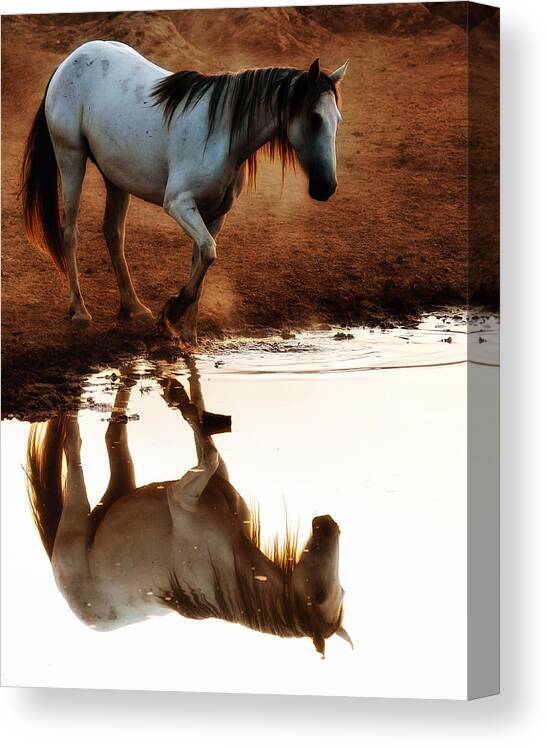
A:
(369, 429)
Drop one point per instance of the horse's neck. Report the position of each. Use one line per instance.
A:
(264, 130)
(261, 566)
(262, 133)
(254, 566)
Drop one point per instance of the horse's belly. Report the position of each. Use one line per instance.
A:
(132, 545)
(130, 154)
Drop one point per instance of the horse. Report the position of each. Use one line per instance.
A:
(190, 545)
(184, 140)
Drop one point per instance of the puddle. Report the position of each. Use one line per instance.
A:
(368, 429)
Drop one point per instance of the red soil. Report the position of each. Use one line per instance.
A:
(393, 240)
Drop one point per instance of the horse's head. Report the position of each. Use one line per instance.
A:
(312, 129)
(316, 584)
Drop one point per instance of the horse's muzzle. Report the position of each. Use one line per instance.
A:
(325, 526)
(322, 190)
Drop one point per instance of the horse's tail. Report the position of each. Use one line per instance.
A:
(40, 190)
(45, 480)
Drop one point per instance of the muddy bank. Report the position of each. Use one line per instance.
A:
(46, 380)
(35, 390)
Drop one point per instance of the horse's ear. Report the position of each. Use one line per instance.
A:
(337, 75)
(313, 72)
(319, 643)
(345, 636)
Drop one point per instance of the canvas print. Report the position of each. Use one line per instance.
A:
(250, 296)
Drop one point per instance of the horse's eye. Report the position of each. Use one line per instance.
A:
(320, 596)
(315, 121)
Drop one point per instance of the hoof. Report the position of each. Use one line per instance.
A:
(215, 423)
(165, 328)
(80, 321)
(79, 317)
(174, 393)
(166, 331)
(139, 313)
(175, 396)
(189, 336)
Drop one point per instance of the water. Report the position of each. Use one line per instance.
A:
(370, 429)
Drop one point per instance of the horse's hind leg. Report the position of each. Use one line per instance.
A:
(73, 534)
(117, 203)
(71, 161)
(70, 559)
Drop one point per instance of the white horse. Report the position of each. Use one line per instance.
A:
(189, 545)
(184, 141)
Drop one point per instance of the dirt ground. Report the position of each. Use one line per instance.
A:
(393, 242)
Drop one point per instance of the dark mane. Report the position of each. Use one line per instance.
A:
(254, 605)
(239, 97)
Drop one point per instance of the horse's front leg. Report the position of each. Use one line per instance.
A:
(182, 207)
(192, 409)
(186, 492)
(189, 323)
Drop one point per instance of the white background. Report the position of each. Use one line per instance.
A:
(518, 716)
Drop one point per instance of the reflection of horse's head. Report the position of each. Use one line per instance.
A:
(190, 545)
(316, 581)
(276, 588)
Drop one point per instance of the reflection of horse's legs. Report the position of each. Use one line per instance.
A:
(71, 542)
(196, 396)
(185, 492)
(235, 501)
(189, 322)
(192, 410)
(70, 559)
(122, 471)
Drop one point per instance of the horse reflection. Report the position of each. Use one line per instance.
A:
(190, 545)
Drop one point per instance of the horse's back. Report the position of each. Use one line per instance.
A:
(100, 98)
(111, 56)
